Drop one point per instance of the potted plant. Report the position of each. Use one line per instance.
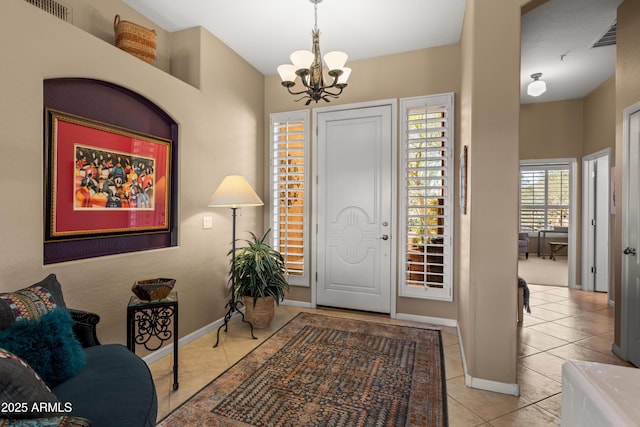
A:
(258, 276)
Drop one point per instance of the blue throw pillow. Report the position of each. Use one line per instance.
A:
(48, 345)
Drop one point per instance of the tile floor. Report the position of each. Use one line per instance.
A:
(564, 324)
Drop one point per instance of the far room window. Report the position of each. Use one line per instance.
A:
(545, 196)
(289, 195)
(428, 197)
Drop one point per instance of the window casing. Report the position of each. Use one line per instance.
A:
(289, 196)
(427, 203)
(545, 196)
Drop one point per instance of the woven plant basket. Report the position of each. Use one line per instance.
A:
(135, 39)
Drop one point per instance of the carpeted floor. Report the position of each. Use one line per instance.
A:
(544, 271)
(327, 371)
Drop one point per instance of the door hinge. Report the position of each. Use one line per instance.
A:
(316, 277)
(593, 222)
(593, 270)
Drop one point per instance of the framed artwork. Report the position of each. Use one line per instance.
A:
(102, 180)
(463, 181)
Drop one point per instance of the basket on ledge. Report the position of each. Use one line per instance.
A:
(135, 39)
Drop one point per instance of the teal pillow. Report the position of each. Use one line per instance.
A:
(48, 345)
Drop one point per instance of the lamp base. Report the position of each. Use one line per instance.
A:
(233, 306)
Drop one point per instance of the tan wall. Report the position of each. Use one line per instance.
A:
(490, 122)
(600, 119)
(97, 18)
(428, 71)
(551, 130)
(221, 131)
(627, 94)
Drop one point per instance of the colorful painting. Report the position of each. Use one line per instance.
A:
(104, 180)
(112, 180)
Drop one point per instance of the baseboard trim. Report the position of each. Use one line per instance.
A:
(617, 350)
(294, 303)
(489, 385)
(439, 321)
(482, 384)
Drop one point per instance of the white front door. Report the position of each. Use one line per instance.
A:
(631, 240)
(354, 208)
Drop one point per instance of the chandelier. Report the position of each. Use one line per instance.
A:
(308, 66)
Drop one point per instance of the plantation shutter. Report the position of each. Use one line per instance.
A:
(428, 197)
(289, 195)
(544, 197)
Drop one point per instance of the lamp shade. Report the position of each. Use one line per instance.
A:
(346, 72)
(287, 72)
(233, 192)
(536, 87)
(302, 59)
(335, 60)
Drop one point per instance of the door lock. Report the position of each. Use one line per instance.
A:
(629, 251)
(385, 237)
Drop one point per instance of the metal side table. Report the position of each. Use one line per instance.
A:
(149, 324)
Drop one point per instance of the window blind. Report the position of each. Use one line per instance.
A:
(544, 197)
(289, 207)
(427, 205)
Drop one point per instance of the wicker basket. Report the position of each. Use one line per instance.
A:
(135, 39)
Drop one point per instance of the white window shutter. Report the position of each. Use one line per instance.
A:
(427, 202)
(289, 196)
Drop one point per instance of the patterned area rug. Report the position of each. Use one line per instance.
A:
(327, 371)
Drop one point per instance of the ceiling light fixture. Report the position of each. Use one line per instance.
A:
(536, 87)
(308, 66)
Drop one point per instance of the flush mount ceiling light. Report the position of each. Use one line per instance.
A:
(308, 66)
(536, 87)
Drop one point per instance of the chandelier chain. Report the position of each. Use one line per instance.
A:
(315, 10)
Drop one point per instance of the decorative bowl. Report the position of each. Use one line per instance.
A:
(153, 289)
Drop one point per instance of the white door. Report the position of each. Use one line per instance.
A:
(354, 208)
(602, 225)
(596, 223)
(631, 241)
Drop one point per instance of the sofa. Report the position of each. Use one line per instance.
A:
(523, 244)
(55, 372)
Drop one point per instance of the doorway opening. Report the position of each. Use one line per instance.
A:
(596, 171)
(547, 209)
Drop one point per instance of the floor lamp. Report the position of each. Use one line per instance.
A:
(234, 192)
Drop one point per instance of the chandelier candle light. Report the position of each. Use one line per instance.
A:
(308, 66)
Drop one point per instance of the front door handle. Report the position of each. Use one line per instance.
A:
(629, 251)
(385, 237)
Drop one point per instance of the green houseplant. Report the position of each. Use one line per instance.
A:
(259, 278)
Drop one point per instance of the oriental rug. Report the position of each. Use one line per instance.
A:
(320, 370)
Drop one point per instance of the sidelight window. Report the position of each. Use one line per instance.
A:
(289, 208)
(428, 196)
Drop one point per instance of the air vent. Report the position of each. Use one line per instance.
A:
(53, 8)
(608, 38)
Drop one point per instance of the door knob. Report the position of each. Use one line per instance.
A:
(629, 251)
(385, 237)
